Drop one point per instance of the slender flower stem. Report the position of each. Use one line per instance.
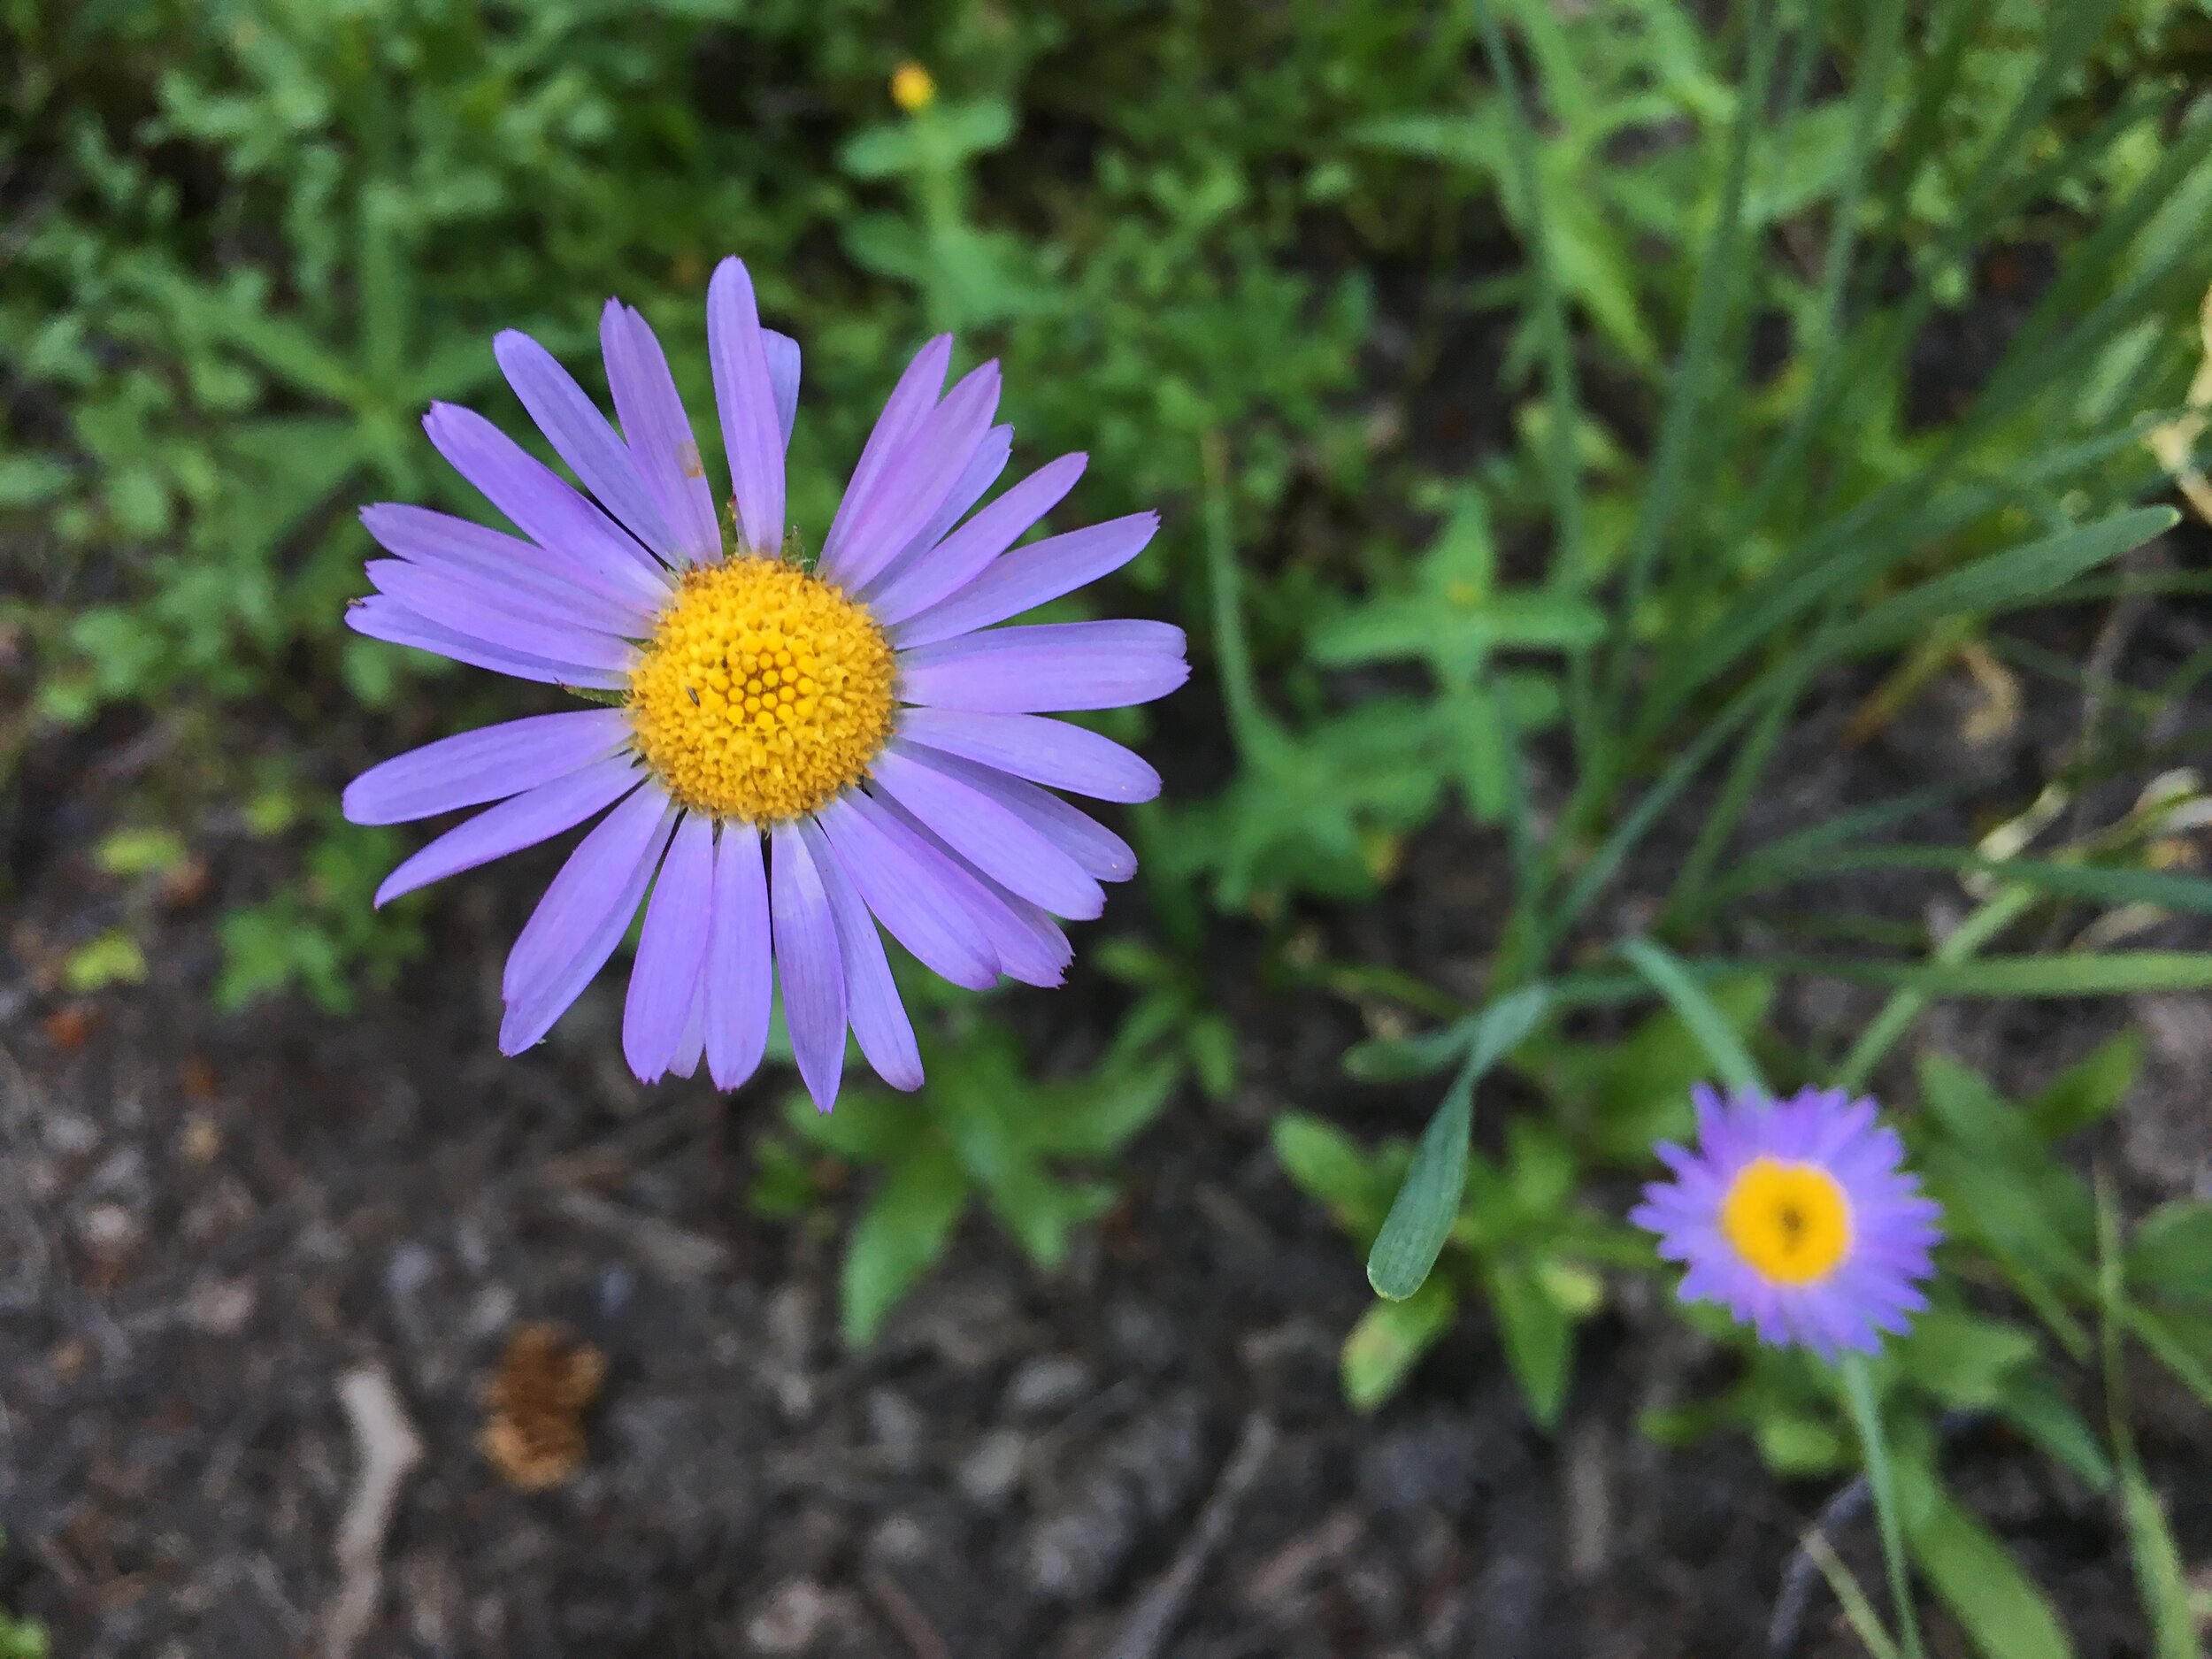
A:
(1858, 1387)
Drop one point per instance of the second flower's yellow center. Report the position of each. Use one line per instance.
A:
(1792, 1222)
(763, 693)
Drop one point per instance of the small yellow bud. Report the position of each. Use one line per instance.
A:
(913, 88)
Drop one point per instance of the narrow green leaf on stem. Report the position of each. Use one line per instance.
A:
(1732, 1063)
(1427, 1203)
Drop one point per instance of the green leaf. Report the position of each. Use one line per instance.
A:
(1390, 1338)
(2159, 1575)
(1330, 1167)
(1421, 1218)
(113, 958)
(1795, 1446)
(1098, 1114)
(1962, 1358)
(2086, 1091)
(2171, 1254)
(2037, 1411)
(904, 1229)
(1732, 1063)
(2009, 579)
(1538, 1335)
(1974, 1575)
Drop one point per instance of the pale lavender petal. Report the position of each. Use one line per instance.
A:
(878, 1018)
(439, 540)
(1101, 852)
(943, 570)
(489, 764)
(582, 916)
(474, 607)
(671, 952)
(741, 973)
(1028, 577)
(541, 504)
(692, 1048)
(1045, 751)
(810, 966)
(1028, 943)
(916, 483)
(382, 618)
(659, 432)
(747, 399)
(1047, 668)
(984, 468)
(581, 436)
(991, 836)
(910, 402)
(536, 815)
(783, 376)
(905, 884)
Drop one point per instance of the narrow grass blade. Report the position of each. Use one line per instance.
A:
(1732, 1063)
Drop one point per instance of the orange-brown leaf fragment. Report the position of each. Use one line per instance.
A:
(536, 1402)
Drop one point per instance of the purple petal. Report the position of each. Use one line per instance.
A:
(489, 764)
(473, 607)
(878, 1020)
(943, 570)
(439, 540)
(1027, 578)
(540, 503)
(692, 1047)
(984, 468)
(746, 399)
(582, 916)
(1090, 843)
(907, 885)
(672, 951)
(910, 402)
(917, 484)
(783, 376)
(810, 966)
(581, 436)
(741, 973)
(524, 820)
(1027, 942)
(382, 618)
(993, 838)
(1049, 752)
(1047, 668)
(662, 443)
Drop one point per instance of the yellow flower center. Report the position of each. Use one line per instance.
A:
(1792, 1222)
(763, 693)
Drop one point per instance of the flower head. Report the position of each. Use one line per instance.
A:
(913, 88)
(797, 752)
(1798, 1217)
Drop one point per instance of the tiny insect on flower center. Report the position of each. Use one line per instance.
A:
(1791, 1222)
(764, 692)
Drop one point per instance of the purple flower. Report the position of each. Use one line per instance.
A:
(1799, 1218)
(797, 754)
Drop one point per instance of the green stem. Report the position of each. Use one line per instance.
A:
(1906, 1006)
(1866, 1414)
(1248, 723)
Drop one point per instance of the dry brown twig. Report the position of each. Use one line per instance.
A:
(390, 1448)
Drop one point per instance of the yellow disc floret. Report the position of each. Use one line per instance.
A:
(1791, 1222)
(764, 692)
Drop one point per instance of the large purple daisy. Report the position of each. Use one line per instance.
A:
(794, 752)
(1799, 1218)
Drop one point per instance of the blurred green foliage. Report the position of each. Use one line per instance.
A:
(1537, 395)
